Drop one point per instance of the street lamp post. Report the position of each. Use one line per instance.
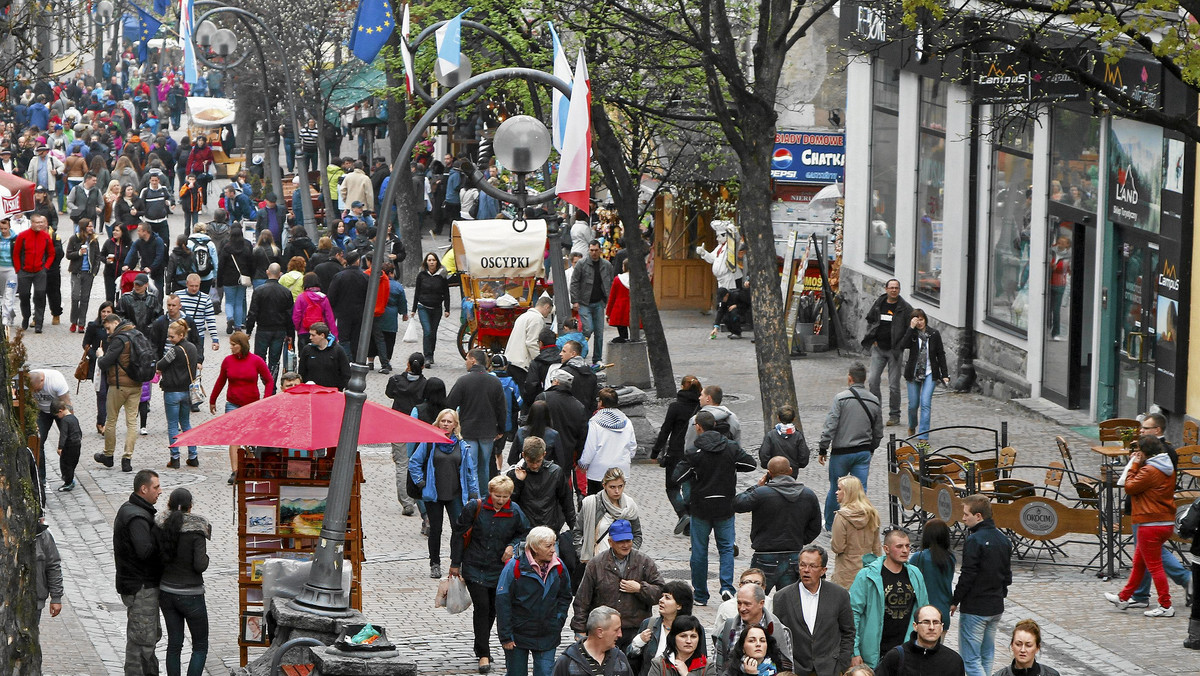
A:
(103, 16)
(323, 593)
(224, 42)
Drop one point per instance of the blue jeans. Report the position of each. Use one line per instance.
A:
(858, 464)
(176, 610)
(921, 393)
(780, 569)
(723, 529)
(430, 319)
(1176, 571)
(516, 662)
(977, 642)
(289, 152)
(235, 305)
(255, 283)
(269, 346)
(591, 321)
(179, 418)
(483, 461)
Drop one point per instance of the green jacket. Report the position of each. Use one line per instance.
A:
(866, 601)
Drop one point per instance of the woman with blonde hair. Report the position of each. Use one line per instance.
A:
(596, 515)
(446, 477)
(111, 195)
(855, 531)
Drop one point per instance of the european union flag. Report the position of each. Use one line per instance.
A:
(372, 28)
(160, 6)
(148, 28)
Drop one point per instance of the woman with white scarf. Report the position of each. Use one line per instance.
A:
(598, 512)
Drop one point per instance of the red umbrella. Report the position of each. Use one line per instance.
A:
(16, 194)
(306, 417)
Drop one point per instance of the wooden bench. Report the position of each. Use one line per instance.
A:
(296, 669)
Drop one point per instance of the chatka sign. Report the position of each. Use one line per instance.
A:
(809, 157)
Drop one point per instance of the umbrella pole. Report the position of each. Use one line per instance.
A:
(323, 593)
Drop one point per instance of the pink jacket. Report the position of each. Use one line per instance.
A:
(306, 299)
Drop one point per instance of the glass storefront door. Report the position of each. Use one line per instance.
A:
(1136, 297)
(1069, 319)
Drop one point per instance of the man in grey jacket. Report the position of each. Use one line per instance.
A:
(853, 430)
(590, 282)
(49, 571)
(752, 612)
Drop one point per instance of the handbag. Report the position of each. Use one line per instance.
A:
(81, 371)
(243, 280)
(196, 388)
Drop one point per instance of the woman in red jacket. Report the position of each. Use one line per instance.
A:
(242, 369)
(197, 164)
(1150, 484)
(618, 304)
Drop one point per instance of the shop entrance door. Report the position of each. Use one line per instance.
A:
(1069, 320)
(1137, 261)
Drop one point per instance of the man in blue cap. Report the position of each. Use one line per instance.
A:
(620, 578)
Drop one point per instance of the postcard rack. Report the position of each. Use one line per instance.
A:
(280, 503)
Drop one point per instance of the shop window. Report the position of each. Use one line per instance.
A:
(1074, 159)
(885, 129)
(931, 179)
(1009, 223)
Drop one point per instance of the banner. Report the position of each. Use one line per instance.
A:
(1135, 173)
(809, 157)
(492, 249)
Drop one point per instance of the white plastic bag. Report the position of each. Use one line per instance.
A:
(457, 597)
(412, 334)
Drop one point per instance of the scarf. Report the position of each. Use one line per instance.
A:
(593, 511)
(922, 365)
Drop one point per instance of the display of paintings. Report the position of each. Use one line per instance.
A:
(253, 628)
(254, 566)
(260, 518)
(299, 468)
(301, 509)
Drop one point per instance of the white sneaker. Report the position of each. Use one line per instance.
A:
(1138, 604)
(1116, 600)
(1160, 612)
(143, 432)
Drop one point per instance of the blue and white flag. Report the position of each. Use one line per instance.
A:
(449, 43)
(186, 28)
(562, 71)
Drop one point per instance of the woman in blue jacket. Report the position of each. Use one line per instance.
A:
(446, 475)
(530, 609)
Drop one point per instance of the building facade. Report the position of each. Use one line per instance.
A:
(1045, 236)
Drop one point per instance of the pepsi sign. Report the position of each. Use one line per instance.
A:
(809, 157)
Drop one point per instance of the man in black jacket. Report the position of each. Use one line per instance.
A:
(138, 571)
(925, 653)
(322, 362)
(328, 269)
(982, 585)
(786, 516)
(712, 468)
(479, 398)
(140, 306)
(569, 418)
(158, 328)
(148, 254)
(541, 489)
(887, 320)
(347, 294)
(535, 379)
(271, 310)
(583, 381)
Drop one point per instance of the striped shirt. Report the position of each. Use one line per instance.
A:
(199, 308)
(308, 138)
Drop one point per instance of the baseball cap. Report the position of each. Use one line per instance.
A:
(499, 361)
(357, 205)
(620, 530)
(563, 377)
(141, 279)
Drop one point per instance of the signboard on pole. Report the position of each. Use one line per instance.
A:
(809, 157)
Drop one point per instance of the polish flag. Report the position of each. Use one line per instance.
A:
(406, 52)
(574, 168)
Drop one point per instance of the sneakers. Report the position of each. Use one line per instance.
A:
(143, 431)
(684, 521)
(66, 488)
(409, 510)
(1116, 600)
(1160, 612)
(193, 462)
(435, 571)
(126, 465)
(385, 370)
(73, 327)
(1134, 603)
(173, 463)
(106, 460)
(726, 594)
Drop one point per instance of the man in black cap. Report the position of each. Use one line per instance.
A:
(140, 306)
(147, 254)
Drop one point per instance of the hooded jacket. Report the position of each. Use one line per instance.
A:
(720, 413)
(405, 390)
(712, 468)
(299, 246)
(545, 496)
(569, 418)
(867, 603)
(987, 569)
(310, 297)
(329, 367)
(584, 384)
(118, 350)
(493, 530)
(675, 425)
(200, 240)
(786, 441)
(538, 368)
(180, 264)
(850, 540)
(1151, 490)
(421, 470)
(786, 515)
(913, 659)
(610, 443)
(135, 548)
(183, 573)
(531, 611)
(48, 567)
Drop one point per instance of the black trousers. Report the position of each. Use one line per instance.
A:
(68, 461)
(44, 422)
(54, 291)
(483, 599)
(35, 283)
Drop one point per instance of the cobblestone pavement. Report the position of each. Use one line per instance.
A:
(1083, 633)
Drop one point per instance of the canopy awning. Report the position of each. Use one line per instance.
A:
(350, 84)
(206, 111)
(493, 249)
(16, 194)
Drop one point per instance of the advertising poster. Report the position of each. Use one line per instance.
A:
(1135, 174)
(809, 157)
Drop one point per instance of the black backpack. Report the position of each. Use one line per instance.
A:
(142, 363)
(722, 426)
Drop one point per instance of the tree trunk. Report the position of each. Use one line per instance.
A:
(776, 385)
(331, 210)
(20, 653)
(407, 207)
(625, 188)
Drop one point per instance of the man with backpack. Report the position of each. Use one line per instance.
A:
(128, 362)
(148, 255)
(853, 430)
(140, 306)
(155, 203)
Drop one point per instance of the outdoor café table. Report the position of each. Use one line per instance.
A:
(1111, 452)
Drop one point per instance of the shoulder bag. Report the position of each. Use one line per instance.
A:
(196, 389)
(243, 280)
